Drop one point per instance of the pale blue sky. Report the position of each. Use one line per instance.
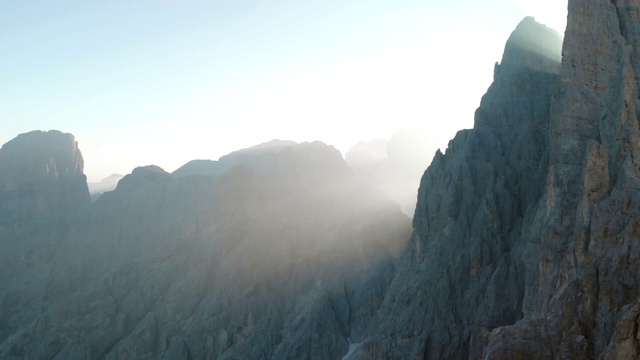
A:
(166, 81)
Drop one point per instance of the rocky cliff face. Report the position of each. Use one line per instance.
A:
(463, 272)
(581, 300)
(525, 238)
(41, 184)
(42, 174)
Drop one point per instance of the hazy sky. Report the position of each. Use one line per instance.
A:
(163, 82)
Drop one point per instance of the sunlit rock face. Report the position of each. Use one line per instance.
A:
(276, 257)
(463, 272)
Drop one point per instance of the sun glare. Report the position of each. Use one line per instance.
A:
(552, 13)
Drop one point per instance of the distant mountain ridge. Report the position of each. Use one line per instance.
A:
(228, 266)
(107, 184)
(216, 168)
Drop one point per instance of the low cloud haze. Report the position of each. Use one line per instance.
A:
(394, 165)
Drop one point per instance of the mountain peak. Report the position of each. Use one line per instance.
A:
(143, 175)
(41, 154)
(44, 169)
(534, 46)
(530, 67)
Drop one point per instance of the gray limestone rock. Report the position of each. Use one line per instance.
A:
(463, 272)
(587, 273)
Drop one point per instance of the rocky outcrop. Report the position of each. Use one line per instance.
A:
(41, 173)
(463, 273)
(583, 291)
(41, 187)
(525, 233)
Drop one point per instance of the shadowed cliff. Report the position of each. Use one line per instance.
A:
(463, 272)
(581, 299)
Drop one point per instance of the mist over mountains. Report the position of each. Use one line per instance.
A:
(523, 243)
(394, 166)
(235, 264)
